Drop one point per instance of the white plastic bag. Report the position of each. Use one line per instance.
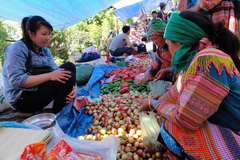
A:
(150, 131)
(3, 104)
(107, 148)
(159, 87)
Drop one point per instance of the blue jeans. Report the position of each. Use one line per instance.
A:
(121, 51)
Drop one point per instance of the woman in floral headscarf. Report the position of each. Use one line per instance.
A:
(202, 108)
(160, 68)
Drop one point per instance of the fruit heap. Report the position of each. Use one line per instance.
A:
(141, 62)
(117, 114)
(126, 73)
(141, 56)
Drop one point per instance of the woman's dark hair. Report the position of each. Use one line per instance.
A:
(162, 5)
(125, 29)
(218, 34)
(32, 24)
(236, 8)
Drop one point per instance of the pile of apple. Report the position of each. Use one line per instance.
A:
(141, 62)
(118, 115)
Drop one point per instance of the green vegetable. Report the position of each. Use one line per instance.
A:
(114, 87)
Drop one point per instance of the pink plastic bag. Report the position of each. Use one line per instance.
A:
(80, 102)
(139, 78)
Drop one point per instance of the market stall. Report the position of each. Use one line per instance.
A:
(111, 105)
(104, 120)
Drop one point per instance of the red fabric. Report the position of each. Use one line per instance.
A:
(80, 102)
(165, 57)
(205, 43)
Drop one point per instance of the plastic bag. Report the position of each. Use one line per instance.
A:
(139, 78)
(35, 151)
(130, 59)
(80, 101)
(107, 148)
(150, 131)
(157, 88)
(3, 103)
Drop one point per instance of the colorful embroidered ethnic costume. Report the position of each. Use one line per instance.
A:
(202, 108)
(196, 102)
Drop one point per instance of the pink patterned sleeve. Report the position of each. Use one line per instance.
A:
(199, 99)
(208, 4)
(172, 95)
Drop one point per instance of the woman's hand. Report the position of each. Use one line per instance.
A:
(60, 75)
(162, 73)
(145, 104)
(148, 76)
(71, 96)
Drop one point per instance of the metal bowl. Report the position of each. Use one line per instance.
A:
(43, 120)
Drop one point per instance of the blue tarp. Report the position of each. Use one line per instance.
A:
(60, 13)
(134, 9)
(74, 123)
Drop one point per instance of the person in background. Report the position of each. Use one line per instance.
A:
(217, 10)
(160, 68)
(121, 43)
(173, 9)
(161, 13)
(133, 36)
(30, 93)
(202, 108)
(154, 19)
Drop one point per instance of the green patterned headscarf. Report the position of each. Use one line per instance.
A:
(157, 28)
(188, 34)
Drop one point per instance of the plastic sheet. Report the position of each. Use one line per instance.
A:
(92, 88)
(72, 122)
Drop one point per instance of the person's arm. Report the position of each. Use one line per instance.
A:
(173, 94)
(72, 95)
(129, 43)
(59, 75)
(155, 66)
(160, 75)
(160, 15)
(199, 99)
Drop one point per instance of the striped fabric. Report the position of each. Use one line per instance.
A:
(199, 99)
(210, 141)
(173, 93)
(219, 10)
(210, 92)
